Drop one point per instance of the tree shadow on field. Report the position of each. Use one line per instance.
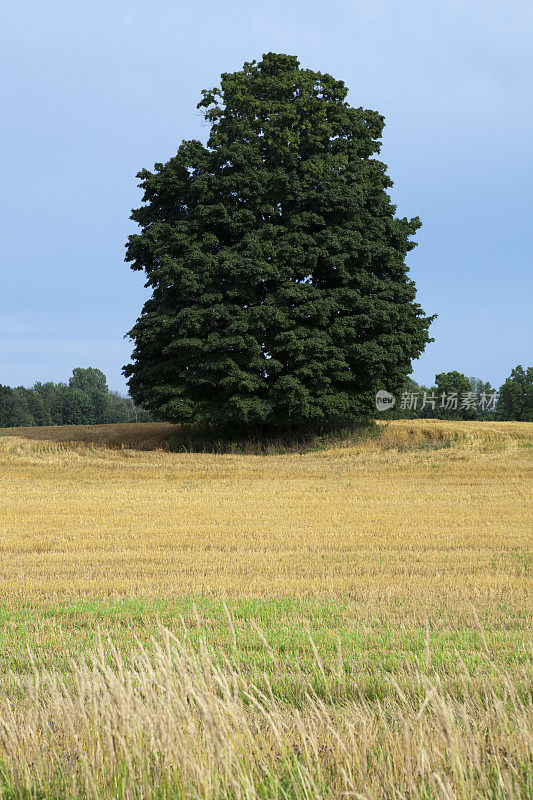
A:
(269, 439)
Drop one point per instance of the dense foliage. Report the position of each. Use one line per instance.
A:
(516, 395)
(85, 400)
(280, 291)
(454, 396)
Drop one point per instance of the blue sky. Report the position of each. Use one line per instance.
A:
(93, 91)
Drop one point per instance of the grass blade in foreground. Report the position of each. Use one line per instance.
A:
(181, 721)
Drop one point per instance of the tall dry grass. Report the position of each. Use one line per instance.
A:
(180, 722)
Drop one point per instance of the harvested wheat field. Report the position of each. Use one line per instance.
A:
(431, 509)
(348, 622)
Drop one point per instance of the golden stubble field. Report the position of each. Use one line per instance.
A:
(429, 510)
(350, 622)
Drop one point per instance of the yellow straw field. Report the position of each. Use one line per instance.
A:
(428, 509)
(351, 622)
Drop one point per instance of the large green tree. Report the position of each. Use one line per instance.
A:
(516, 395)
(93, 383)
(14, 411)
(456, 397)
(72, 406)
(276, 261)
(36, 406)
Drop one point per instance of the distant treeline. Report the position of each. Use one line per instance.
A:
(85, 400)
(454, 396)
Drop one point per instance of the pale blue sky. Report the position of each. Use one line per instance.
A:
(93, 91)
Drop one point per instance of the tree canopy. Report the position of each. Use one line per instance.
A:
(275, 258)
(85, 400)
(516, 395)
